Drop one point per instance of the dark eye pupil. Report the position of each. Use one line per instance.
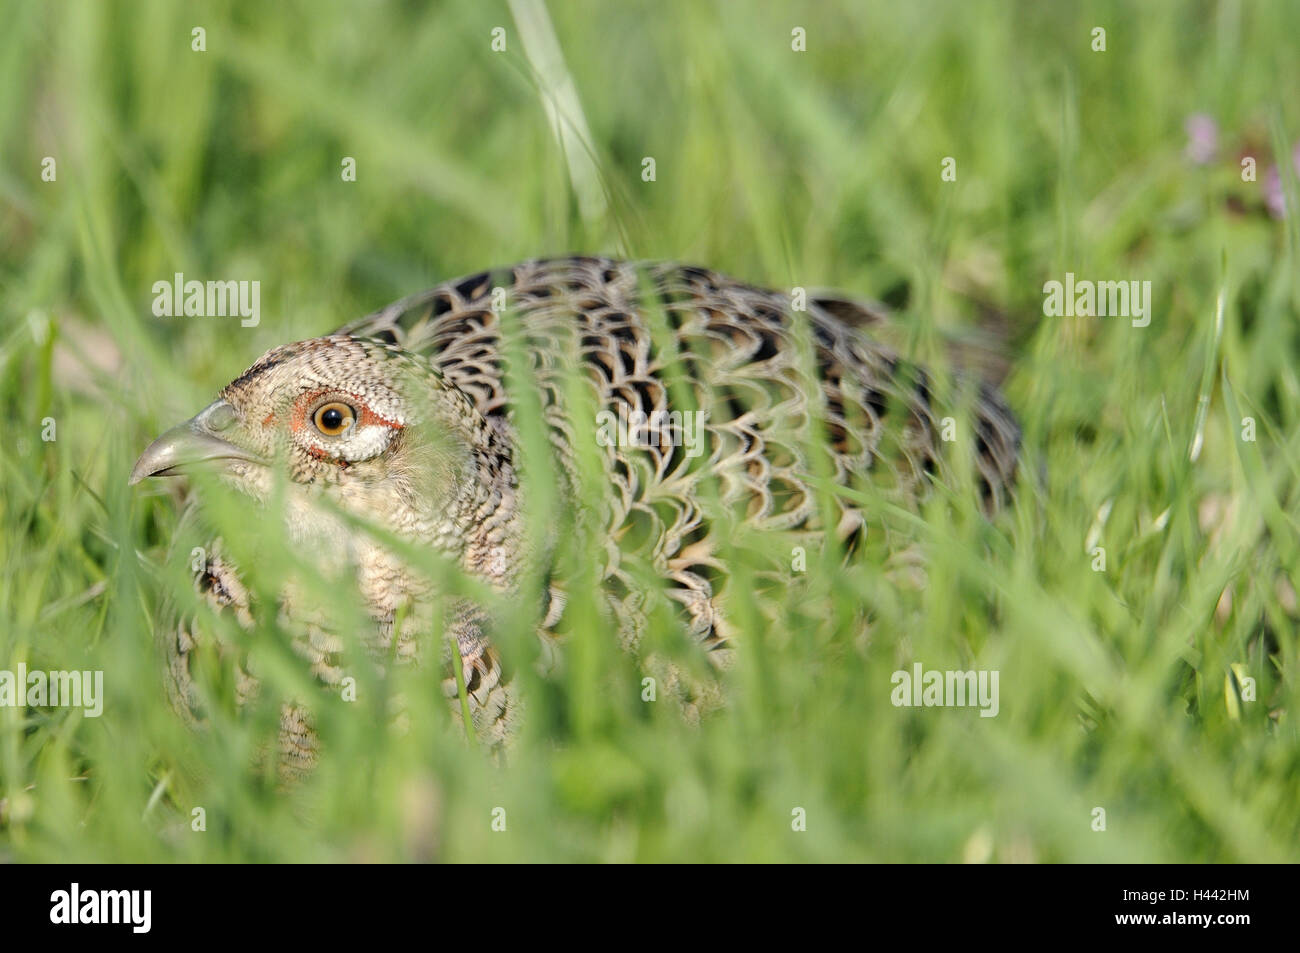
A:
(332, 419)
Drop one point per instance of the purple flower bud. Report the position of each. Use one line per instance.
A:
(1202, 138)
(1274, 200)
(1274, 196)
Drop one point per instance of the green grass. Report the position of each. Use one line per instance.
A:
(817, 169)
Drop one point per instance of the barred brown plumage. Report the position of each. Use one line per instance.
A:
(428, 446)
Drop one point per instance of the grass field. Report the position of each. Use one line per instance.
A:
(1159, 688)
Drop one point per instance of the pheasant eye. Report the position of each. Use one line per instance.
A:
(333, 418)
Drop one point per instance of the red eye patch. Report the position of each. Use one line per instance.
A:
(365, 416)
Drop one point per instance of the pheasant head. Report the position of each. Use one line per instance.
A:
(380, 432)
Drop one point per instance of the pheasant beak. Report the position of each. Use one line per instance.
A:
(195, 441)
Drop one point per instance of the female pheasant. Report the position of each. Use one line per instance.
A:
(700, 399)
